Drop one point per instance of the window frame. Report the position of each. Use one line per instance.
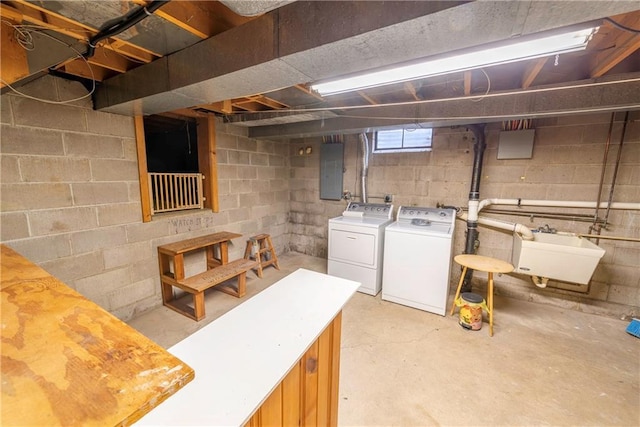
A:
(403, 149)
(207, 164)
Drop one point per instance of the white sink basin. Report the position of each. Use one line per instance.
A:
(556, 256)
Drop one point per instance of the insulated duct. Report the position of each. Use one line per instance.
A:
(365, 165)
(254, 7)
(474, 197)
(299, 42)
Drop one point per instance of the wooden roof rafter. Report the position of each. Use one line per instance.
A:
(617, 45)
(37, 15)
(533, 69)
(409, 87)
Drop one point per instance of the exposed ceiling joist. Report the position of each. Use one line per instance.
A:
(532, 71)
(305, 50)
(619, 94)
(609, 59)
(244, 67)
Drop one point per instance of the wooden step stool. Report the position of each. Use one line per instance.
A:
(265, 245)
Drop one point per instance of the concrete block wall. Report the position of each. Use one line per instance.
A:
(566, 165)
(70, 197)
(309, 214)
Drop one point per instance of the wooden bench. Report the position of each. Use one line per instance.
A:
(196, 285)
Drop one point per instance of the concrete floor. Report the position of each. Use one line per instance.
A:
(405, 367)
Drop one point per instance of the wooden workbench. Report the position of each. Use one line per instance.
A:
(66, 361)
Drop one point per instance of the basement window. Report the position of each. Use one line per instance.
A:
(408, 139)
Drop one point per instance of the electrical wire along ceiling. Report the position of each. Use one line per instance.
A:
(263, 64)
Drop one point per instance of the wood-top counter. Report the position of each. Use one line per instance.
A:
(67, 361)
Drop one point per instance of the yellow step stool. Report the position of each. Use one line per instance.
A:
(257, 247)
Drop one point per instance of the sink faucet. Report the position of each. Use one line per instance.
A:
(547, 229)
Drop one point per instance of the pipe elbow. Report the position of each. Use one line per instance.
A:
(540, 282)
(524, 231)
(484, 203)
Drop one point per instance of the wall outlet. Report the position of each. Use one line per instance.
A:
(388, 198)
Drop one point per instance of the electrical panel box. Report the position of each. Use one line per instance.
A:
(516, 144)
(331, 169)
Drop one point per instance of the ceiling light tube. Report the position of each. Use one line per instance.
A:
(530, 48)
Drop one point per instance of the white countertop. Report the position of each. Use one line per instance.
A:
(242, 356)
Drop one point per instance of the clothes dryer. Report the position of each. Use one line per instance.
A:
(356, 244)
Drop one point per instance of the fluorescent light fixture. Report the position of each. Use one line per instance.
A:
(530, 48)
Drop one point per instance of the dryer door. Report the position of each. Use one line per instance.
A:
(352, 247)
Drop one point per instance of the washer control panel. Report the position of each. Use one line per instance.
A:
(378, 210)
(418, 215)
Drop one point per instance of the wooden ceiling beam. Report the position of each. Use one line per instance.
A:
(12, 56)
(606, 60)
(111, 60)
(412, 90)
(467, 83)
(80, 68)
(367, 98)
(201, 18)
(268, 102)
(249, 105)
(10, 13)
(616, 45)
(531, 72)
(41, 17)
(186, 15)
(47, 19)
(305, 89)
(131, 51)
(181, 113)
(224, 107)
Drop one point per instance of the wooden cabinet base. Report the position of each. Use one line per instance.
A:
(308, 395)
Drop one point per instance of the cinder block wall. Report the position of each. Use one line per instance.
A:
(566, 165)
(70, 198)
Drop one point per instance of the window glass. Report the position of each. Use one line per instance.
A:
(407, 139)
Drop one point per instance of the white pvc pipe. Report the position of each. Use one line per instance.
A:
(521, 229)
(557, 203)
(473, 210)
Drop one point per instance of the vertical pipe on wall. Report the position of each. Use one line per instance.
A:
(474, 199)
(615, 172)
(595, 226)
(365, 165)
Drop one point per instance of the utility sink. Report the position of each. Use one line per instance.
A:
(563, 257)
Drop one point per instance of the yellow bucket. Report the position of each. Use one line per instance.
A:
(471, 306)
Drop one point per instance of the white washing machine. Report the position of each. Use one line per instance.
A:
(356, 244)
(417, 258)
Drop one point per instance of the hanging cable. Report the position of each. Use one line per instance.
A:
(186, 124)
(620, 26)
(118, 25)
(25, 40)
(477, 99)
